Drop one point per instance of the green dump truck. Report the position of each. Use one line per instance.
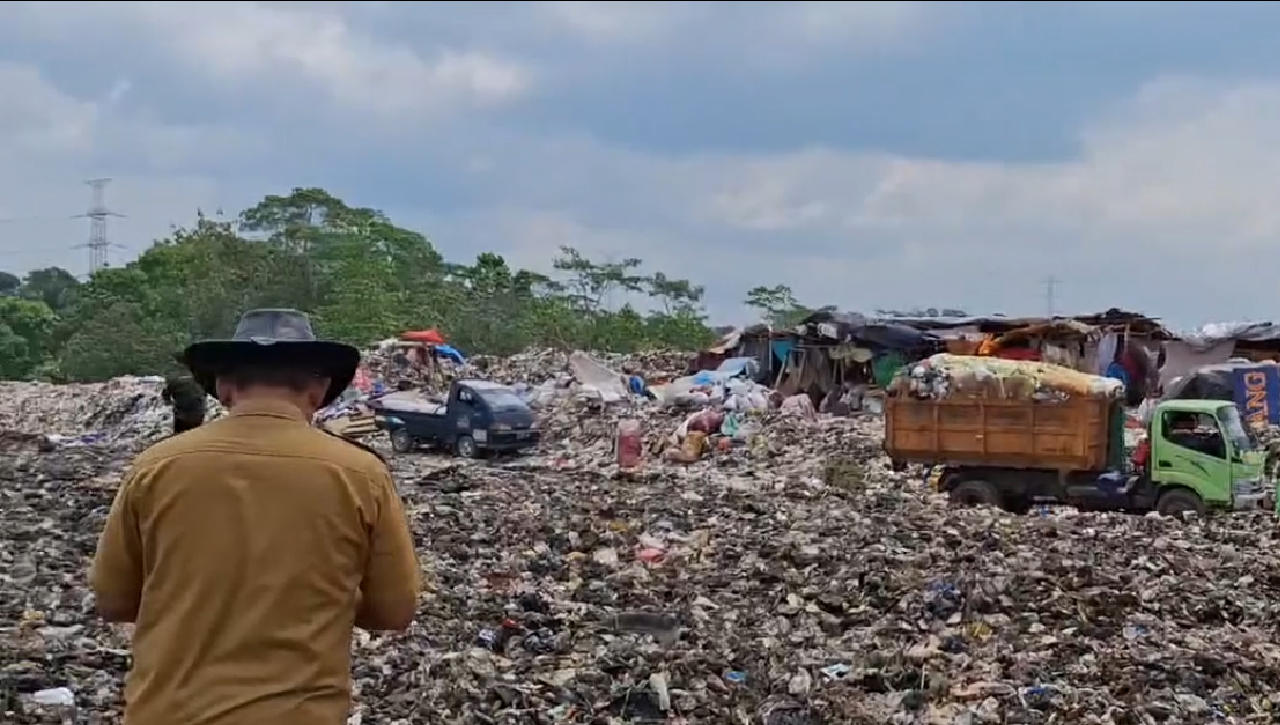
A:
(1018, 453)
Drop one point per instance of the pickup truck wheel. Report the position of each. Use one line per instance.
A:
(1179, 501)
(974, 492)
(401, 441)
(465, 447)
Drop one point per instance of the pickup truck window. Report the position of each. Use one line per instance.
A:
(502, 399)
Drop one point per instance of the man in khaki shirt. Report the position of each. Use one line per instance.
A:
(246, 550)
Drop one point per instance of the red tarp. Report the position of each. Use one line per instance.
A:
(432, 336)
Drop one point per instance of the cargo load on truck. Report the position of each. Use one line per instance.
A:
(946, 376)
(1014, 433)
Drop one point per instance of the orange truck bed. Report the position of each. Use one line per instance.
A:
(1070, 435)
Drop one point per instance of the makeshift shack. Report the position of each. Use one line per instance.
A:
(418, 358)
(755, 342)
(835, 350)
(1059, 341)
(965, 335)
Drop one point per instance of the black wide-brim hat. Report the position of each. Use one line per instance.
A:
(276, 337)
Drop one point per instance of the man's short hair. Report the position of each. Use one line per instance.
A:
(275, 375)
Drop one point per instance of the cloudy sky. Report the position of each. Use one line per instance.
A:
(869, 154)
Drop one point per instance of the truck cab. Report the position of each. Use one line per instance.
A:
(1203, 456)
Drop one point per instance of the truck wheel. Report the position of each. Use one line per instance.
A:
(1178, 501)
(401, 441)
(465, 447)
(974, 492)
(1017, 504)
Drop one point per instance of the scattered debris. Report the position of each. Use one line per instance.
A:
(786, 577)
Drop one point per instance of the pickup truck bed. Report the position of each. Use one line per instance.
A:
(1072, 435)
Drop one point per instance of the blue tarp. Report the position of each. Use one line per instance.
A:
(450, 352)
(781, 349)
(732, 368)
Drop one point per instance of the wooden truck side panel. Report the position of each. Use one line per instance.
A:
(1069, 435)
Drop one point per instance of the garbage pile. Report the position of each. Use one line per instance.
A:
(581, 399)
(743, 591)
(537, 366)
(783, 575)
(122, 411)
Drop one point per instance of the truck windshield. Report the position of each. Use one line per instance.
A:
(501, 399)
(1234, 428)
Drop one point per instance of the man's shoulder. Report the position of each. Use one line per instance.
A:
(220, 437)
(170, 446)
(351, 453)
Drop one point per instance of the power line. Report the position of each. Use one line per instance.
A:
(20, 219)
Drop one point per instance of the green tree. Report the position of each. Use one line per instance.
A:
(777, 305)
(26, 334)
(359, 275)
(120, 339)
(9, 284)
(54, 286)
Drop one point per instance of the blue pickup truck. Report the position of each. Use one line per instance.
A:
(479, 417)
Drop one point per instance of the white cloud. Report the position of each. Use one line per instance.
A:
(1183, 154)
(237, 43)
(51, 141)
(620, 21)
(1172, 194)
(41, 124)
(1180, 179)
(871, 23)
(35, 116)
(751, 33)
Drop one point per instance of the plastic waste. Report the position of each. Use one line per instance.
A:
(629, 444)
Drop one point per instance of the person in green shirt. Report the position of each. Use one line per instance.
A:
(187, 399)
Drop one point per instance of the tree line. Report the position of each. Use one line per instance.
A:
(359, 276)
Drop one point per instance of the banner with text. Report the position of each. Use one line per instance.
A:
(1258, 393)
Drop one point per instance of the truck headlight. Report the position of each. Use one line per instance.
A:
(1247, 485)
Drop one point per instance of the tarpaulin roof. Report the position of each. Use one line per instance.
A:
(1054, 329)
(1213, 333)
(433, 336)
(892, 336)
(1240, 331)
(991, 323)
(1210, 382)
(853, 327)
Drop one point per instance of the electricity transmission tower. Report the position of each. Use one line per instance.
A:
(98, 213)
(1050, 287)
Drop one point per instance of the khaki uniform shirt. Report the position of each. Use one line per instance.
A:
(246, 551)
